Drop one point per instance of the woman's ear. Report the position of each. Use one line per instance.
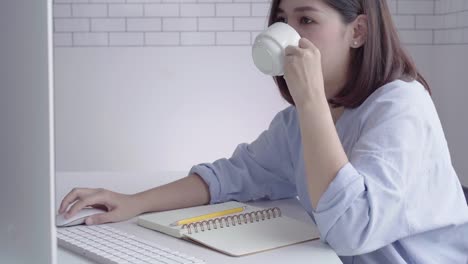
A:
(359, 32)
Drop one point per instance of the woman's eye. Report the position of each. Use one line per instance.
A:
(306, 20)
(281, 19)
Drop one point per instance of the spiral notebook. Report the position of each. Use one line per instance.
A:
(251, 231)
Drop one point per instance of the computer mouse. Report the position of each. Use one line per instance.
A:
(79, 218)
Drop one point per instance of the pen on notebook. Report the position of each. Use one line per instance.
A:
(208, 216)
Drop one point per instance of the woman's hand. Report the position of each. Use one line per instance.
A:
(119, 206)
(303, 72)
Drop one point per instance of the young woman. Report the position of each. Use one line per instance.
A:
(361, 146)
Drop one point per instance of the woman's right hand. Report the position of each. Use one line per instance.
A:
(119, 206)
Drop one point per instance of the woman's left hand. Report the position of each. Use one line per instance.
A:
(303, 72)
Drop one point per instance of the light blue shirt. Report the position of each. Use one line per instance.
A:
(398, 200)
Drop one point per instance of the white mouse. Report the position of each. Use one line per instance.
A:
(79, 218)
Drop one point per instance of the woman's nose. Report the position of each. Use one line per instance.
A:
(295, 28)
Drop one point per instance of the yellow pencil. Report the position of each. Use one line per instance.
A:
(208, 216)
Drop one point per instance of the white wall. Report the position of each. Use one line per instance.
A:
(164, 85)
(451, 91)
(157, 108)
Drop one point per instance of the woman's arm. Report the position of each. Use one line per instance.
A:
(324, 155)
(186, 192)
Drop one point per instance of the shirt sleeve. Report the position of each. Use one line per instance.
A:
(364, 207)
(258, 170)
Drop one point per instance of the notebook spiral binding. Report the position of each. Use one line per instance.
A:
(246, 218)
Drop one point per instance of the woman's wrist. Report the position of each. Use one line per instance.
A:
(316, 105)
(167, 197)
(139, 202)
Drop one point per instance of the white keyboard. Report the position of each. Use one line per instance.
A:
(108, 245)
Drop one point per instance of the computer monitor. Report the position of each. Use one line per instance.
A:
(27, 228)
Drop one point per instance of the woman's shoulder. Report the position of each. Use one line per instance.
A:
(396, 97)
(399, 92)
(285, 122)
(287, 116)
(393, 106)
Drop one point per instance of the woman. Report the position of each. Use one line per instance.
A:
(361, 146)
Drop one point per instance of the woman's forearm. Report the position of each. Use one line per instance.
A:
(323, 153)
(186, 192)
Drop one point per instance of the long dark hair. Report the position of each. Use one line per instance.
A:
(379, 61)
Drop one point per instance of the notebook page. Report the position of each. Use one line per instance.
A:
(258, 236)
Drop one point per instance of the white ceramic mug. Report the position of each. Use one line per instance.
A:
(268, 48)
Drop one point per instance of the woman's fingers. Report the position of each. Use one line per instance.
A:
(102, 218)
(72, 196)
(83, 202)
(304, 46)
(304, 43)
(292, 50)
(119, 206)
(100, 206)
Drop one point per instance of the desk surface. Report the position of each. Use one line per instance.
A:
(136, 182)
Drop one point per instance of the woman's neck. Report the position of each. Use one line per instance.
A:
(336, 113)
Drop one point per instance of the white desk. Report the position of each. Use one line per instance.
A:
(309, 252)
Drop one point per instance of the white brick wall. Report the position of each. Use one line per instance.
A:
(162, 39)
(451, 22)
(227, 22)
(90, 39)
(409, 18)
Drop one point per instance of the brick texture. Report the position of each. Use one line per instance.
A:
(79, 23)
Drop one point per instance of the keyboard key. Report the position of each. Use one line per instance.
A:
(108, 245)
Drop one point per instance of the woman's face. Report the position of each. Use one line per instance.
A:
(323, 26)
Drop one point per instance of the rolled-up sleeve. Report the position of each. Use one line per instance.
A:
(262, 169)
(364, 207)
